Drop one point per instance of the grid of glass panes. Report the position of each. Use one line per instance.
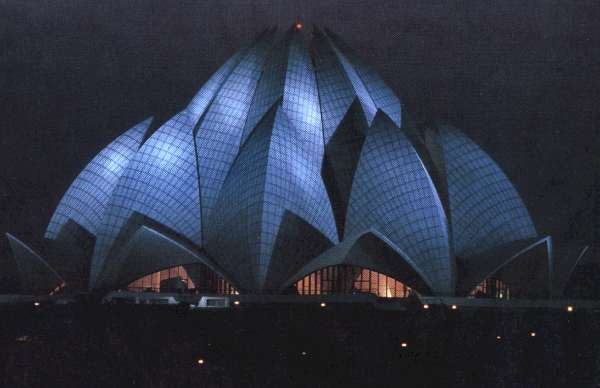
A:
(491, 288)
(344, 279)
(208, 281)
(152, 281)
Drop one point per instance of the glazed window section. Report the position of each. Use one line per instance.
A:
(345, 279)
(194, 279)
(491, 288)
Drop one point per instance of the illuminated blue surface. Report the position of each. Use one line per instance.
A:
(219, 134)
(272, 174)
(393, 194)
(87, 197)
(335, 89)
(290, 147)
(383, 97)
(360, 89)
(161, 183)
(486, 209)
(270, 86)
(206, 94)
(277, 170)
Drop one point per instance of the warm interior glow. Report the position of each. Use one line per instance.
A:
(426, 306)
(344, 279)
(491, 288)
(404, 344)
(200, 361)
(152, 281)
(209, 281)
(454, 307)
(570, 309)
(323, 304)
(532, 334)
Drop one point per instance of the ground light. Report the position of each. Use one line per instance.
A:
(570, 309)
(404, 344)
(236, 302)
(498, 337)
(200, 361)
(532, 334)
(323, 304)
(425, 306)
(454, 307)
(36, 304)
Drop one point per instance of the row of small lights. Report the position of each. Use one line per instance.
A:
(403, 344)
(237, 303)
(426, 306)
(532, 334)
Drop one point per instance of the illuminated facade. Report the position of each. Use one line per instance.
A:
(152, 282)
(196, 278)
(491, 288)
(351, 280)
(292, 168)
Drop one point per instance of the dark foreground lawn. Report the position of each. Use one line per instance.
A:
(296, 346)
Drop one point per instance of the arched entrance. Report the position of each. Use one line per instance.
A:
(347, 279)
(192, 278)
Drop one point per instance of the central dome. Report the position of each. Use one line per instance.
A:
(293, 157)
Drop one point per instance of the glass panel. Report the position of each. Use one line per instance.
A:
(177, 278)
(344, 279)
(491, 288)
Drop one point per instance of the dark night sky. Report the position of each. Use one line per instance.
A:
(520, 78)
